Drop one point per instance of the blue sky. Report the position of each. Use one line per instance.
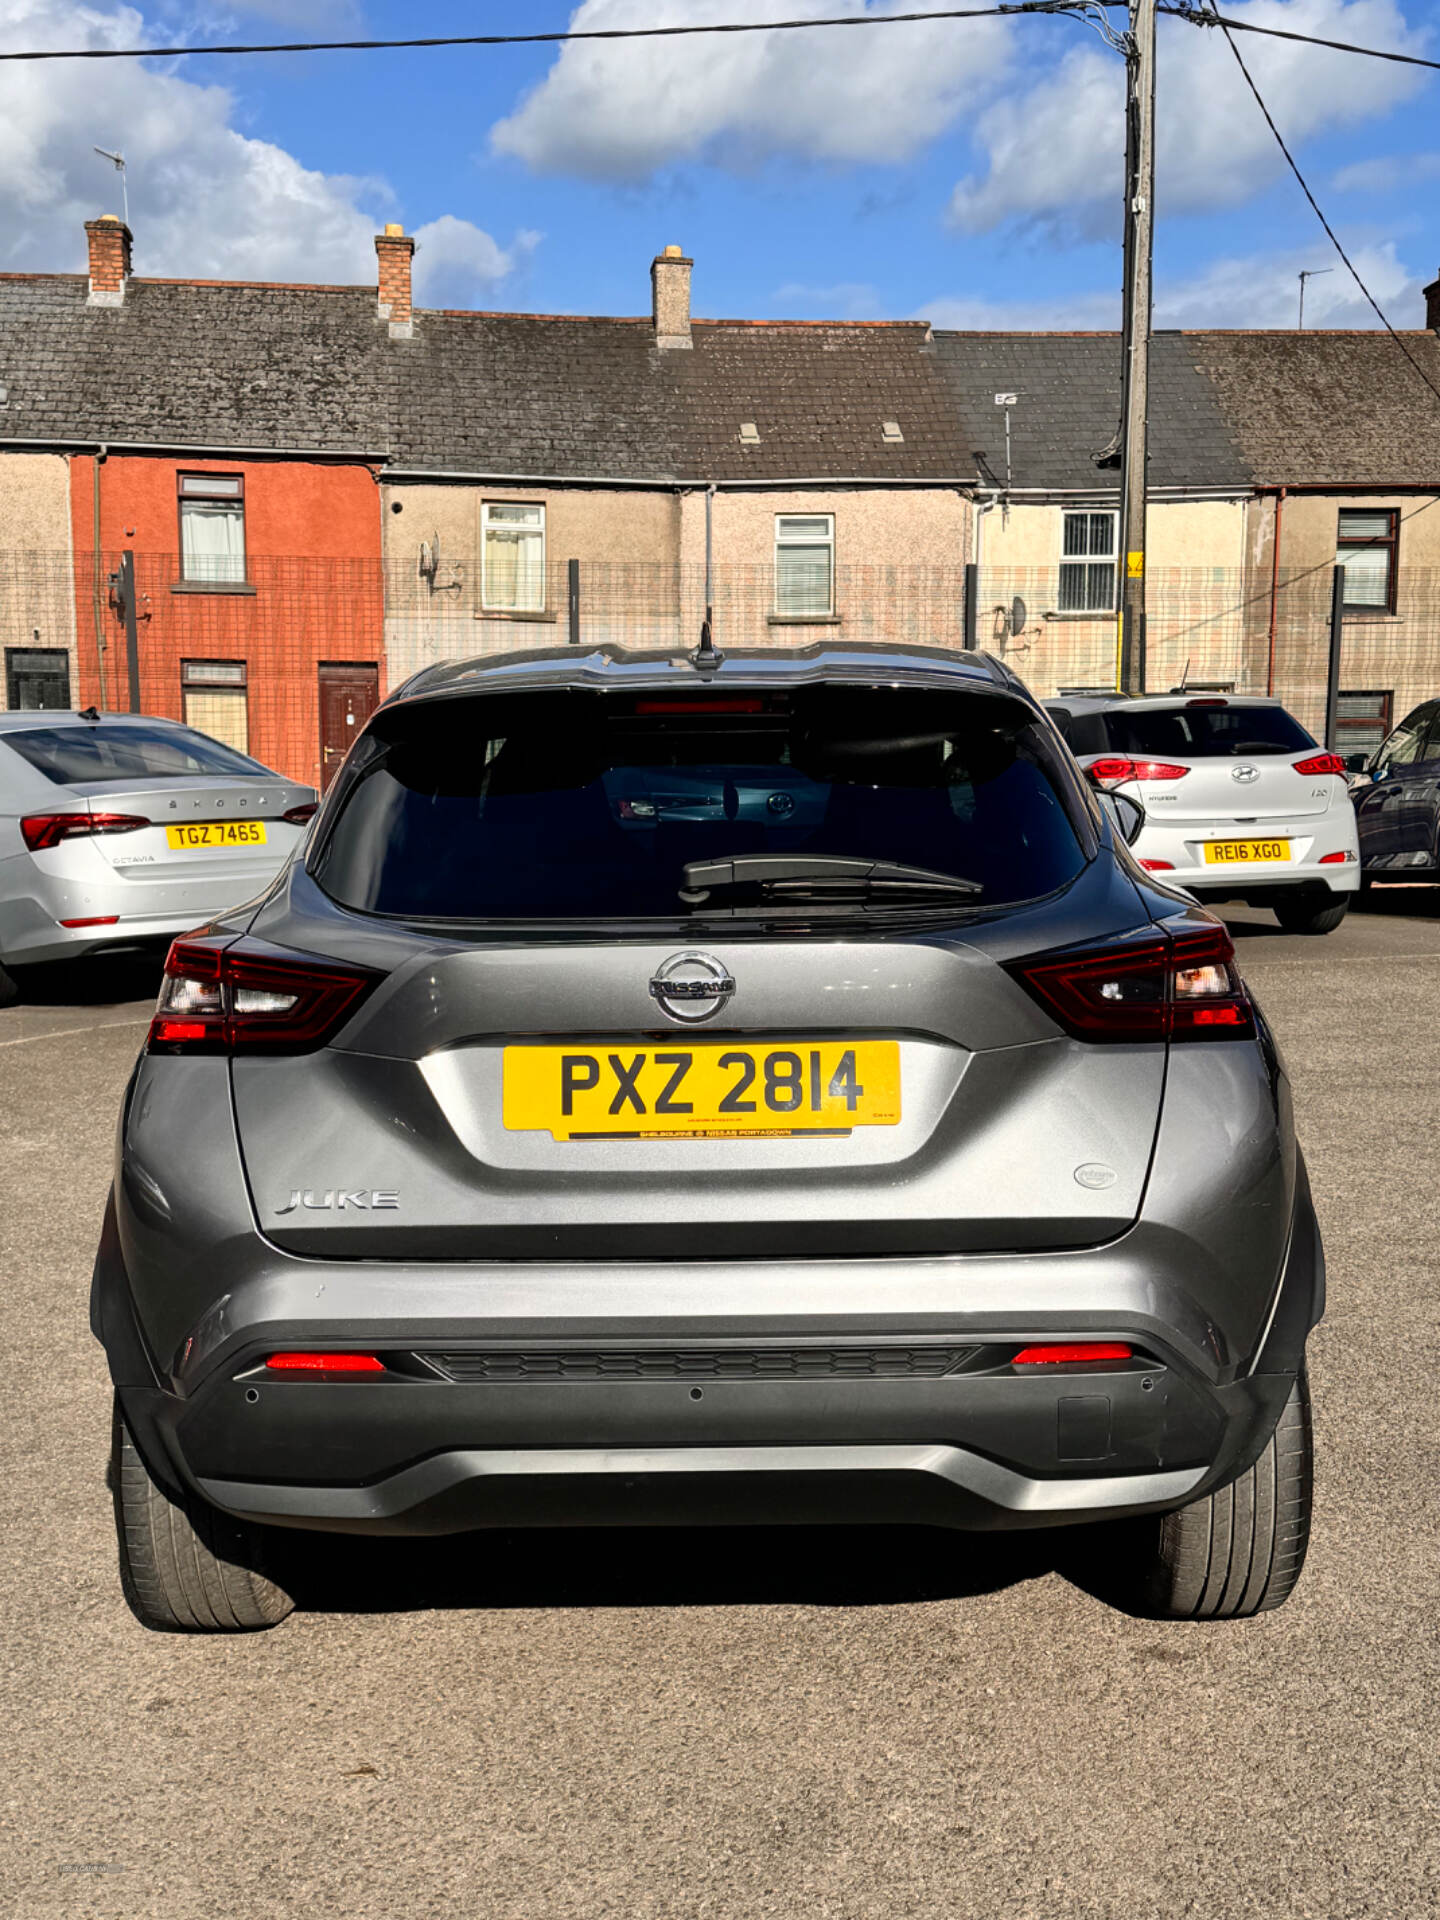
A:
(966, 171)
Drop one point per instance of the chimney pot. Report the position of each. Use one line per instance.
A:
(396, 251)
(1432, 305)
(670, 298)
(109, 240)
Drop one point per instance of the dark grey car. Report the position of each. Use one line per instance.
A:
(903, 1155)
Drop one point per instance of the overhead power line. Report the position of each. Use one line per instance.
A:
(1331, 234)
(560, 36)
(1199, 17)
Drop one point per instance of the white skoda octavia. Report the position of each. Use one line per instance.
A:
(1240, 802)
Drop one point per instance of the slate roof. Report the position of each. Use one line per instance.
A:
(1068, 409)
(1316, 408)
(195, 364)
(1226, 409)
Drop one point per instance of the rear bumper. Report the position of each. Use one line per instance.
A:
(34, 902)
(982, 1445)
(1181, 846)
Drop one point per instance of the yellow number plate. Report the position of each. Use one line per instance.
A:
(218, 833)
(720, 1088)
(1236, 853)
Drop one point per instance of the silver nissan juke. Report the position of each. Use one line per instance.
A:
(669, 1088)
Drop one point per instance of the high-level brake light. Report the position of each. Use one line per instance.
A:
(41, 831)
(221, 996)
(1114, 771)
(1177, 985)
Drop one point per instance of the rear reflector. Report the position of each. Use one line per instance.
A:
(1175, 985)
(98, 920)
(1321, 763)
(1114, 771)
(223, 996)
(41, 831)
(1335, 859)
(1071, 1354)
(324, 1363)
(1158, 866)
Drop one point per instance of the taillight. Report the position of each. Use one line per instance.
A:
(1113, 772)
(43, 830)
(1180, 986)
(1071, 1353)
(1321, 763)
(301, 815)
(222, 998)
(324, 1363)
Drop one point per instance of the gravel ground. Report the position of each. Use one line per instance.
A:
(717, 1724)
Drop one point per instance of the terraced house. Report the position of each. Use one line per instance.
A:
(258, 507)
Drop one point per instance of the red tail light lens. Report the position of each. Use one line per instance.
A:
(324, 1363)
(1113, 771)
(220, 997)
(1181, 985)
(300, 816)
(43, 830)
(1071, 1353)
(1321, 763)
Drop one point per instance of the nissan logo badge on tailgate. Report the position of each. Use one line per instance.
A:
(691, 987)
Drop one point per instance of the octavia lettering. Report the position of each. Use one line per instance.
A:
(579, 1093)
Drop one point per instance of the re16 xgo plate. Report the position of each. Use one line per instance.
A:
(1239, 852)
(722, 1087)
(218, 833)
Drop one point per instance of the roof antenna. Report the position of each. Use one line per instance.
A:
(1184, 676)
(707, 656)
(117, 160)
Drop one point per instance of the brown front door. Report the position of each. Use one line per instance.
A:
(349, 694)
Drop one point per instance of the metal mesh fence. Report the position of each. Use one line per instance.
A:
(287, 663)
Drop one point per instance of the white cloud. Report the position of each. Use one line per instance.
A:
(1077, 312)
(1055, 149)
(846, 299)
(850, 94)
(205, 200)
(453, 258)
(1389, 174)
(1263, 290)
(1251, 290)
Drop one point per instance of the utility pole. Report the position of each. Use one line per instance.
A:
(1135, 339)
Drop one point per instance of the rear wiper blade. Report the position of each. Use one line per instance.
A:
(817, 876)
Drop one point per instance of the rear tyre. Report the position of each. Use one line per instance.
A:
(185, 1566)
(1303, 915)
(1238, 1551)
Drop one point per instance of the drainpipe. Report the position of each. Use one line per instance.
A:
(1274, 592)
(972, 576)
(100, 454)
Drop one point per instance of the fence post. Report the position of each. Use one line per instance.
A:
(573, 569)
(132, 630)
(1332, 673)
(972, 606)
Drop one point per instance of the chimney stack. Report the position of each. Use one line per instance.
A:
(396, 250)
(109, 239)
(1432, 305)
(670, 298)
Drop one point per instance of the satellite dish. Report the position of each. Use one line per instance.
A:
(1019, 614)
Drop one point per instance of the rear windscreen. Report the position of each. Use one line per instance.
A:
(1198, 732)
(572, 805)
(127, 750)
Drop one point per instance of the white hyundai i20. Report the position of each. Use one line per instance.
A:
(1240, 802)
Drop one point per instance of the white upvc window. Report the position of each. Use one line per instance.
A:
(804, 564)
(1087, 565)
(212, 528)
(215, 700)
(512, 573)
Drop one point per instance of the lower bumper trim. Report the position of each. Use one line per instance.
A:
(455, 1491)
